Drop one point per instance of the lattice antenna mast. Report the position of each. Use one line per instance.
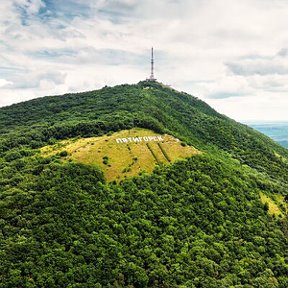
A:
(152, 78)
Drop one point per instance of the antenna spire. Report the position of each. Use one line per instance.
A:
(152, 78)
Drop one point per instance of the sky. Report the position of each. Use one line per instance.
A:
(232, 54)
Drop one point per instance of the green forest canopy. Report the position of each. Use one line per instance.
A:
(199, 222)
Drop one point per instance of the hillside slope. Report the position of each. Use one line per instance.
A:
(215, 219)
(146, 105)
(123, 154)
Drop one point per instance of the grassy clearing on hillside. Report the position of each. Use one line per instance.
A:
(121, 160)
(273, 208)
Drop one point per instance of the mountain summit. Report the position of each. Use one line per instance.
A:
(138, 186)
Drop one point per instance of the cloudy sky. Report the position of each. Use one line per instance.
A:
(232, 54)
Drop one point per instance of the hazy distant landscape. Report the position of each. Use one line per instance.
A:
(278, 131)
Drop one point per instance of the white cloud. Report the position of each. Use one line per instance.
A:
(230, 53)
(259, 65)
(4, 83)
(30, 6)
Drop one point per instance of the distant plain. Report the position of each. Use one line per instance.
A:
(278, 131)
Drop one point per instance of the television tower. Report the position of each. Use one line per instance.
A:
(152, 78)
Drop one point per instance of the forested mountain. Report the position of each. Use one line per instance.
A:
(217, 218)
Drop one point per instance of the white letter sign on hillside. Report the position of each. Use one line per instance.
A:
(139, 139)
